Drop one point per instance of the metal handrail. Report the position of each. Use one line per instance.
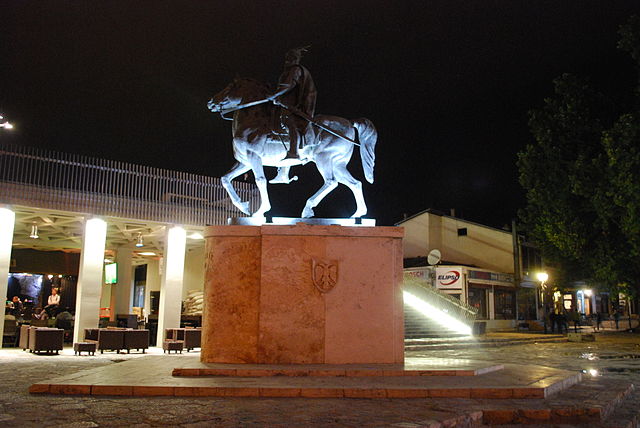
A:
(61, 181)
(439, 299)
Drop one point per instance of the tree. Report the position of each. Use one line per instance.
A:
(582, 181)
(556, 171)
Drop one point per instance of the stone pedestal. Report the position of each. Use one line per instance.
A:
(303, 295)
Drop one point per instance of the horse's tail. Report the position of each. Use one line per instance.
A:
(367, 136)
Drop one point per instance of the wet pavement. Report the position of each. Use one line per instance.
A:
(614, 356)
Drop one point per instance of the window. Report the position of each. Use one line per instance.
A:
(138, 296)
(462, 231)
(531, 259)
(568, 301)
(478, 299)
(527, 303)
(505, 304)
(140, 280)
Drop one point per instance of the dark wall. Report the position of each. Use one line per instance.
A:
(44, 262)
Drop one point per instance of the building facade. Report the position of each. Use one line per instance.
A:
(64, 217)
(478, 264)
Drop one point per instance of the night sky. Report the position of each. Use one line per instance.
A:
(447, 83)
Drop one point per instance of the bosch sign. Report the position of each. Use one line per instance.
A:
(448, 278)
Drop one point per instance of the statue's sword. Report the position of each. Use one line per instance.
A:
(313, 122)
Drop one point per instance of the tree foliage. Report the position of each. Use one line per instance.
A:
(582, 181)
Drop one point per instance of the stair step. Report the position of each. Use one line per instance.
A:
(417, 326)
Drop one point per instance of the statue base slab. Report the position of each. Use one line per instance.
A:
(303, 294)
(254, 221)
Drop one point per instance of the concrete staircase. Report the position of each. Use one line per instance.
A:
(417, 326)
(430, 313)
(494, 339)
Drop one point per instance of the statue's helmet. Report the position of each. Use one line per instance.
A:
(295, 55)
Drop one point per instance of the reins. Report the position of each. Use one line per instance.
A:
(240, 107)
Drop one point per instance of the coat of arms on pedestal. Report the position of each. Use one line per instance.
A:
(324, 275)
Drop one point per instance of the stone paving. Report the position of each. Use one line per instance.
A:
(614, 356)
(456, 378)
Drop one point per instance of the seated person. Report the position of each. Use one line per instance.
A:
(18, 307)
(40, 314)
(64, 320)
(52, 303)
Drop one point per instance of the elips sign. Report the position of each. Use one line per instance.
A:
(448, 277)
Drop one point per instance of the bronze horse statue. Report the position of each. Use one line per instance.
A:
(258, 141)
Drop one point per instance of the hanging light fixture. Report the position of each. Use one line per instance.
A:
(34, 231)
(139, 242)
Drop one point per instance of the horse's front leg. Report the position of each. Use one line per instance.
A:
(236, 170)
(261, 182)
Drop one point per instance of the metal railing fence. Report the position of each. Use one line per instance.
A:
(61, 181)
(441, 301)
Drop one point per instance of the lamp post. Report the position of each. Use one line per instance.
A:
(543, 277)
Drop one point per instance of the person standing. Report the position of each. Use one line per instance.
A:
(575, 317)
(562, 320)
(598, 320)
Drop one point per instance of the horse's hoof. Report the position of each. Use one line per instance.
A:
(260, 217)
(359, 214)
(307, 213)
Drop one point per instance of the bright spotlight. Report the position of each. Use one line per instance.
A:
(438, 316)
(542, 276)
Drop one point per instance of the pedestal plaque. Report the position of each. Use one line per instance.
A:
(303, 294)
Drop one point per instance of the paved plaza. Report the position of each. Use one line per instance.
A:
(613, 359)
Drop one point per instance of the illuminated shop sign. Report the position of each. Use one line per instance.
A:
(418, 273)
(448, 277)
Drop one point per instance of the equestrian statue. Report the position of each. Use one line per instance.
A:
(279, 128)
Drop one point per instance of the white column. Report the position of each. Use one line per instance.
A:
(90, 277)
(124, 288)
(7, 221)
(172, 278)
(491, 307)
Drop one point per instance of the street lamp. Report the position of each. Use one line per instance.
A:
(543, 277)
(5, 125)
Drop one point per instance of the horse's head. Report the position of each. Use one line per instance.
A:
(237, 92)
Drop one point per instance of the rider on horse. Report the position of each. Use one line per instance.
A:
(255, 146)
(296, 92)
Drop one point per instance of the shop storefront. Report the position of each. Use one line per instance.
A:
(491, 293)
